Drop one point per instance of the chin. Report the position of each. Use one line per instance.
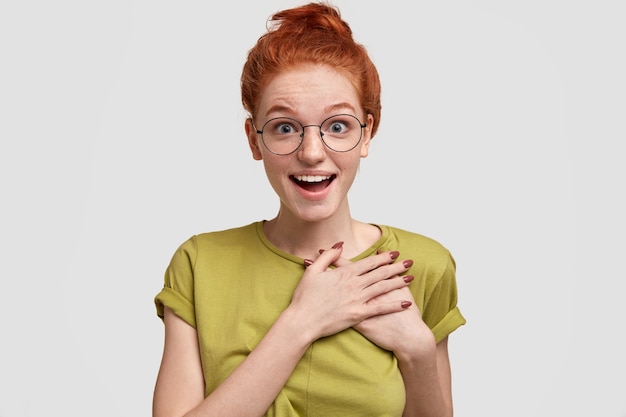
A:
(312, 214)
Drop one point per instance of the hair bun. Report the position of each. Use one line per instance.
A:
(313, 17)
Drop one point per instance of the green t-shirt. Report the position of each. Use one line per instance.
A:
(232, 285)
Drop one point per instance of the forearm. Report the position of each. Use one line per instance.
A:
(427, 384)
(252, 387)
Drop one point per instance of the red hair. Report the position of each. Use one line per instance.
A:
(316, 34)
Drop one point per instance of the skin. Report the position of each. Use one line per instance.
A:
(369, 295)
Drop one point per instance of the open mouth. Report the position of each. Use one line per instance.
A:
(312, 183)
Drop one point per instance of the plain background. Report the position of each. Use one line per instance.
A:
(122, 135)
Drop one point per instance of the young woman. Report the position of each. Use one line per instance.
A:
(311, 313)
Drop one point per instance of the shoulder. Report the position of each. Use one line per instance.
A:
(427, 253)
(208, 242)
(225, 237)
(416, 241)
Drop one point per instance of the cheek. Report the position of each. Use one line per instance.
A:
(349, 164)
(274, 167)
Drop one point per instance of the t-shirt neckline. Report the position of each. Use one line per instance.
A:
(384, 236)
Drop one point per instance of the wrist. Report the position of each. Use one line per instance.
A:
(421, 347)
(295, 323)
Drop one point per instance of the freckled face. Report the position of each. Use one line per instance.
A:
(313, 182)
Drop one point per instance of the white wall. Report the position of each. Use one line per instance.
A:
(122, 134)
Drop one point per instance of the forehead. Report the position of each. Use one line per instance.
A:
(311, 90)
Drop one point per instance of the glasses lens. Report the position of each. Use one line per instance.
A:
(342, 132)
(282, 135)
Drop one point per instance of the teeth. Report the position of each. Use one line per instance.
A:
(311, 178)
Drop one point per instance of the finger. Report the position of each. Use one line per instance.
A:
(386, 307)
(325, 259)
(392, 255)
(374, 262)
(386, 271)
(341, 261)
(386, 286)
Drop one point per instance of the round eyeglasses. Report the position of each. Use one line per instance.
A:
(284, 135)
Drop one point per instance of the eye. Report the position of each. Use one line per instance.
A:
(337, 127)
(340, 125)
(283, 127)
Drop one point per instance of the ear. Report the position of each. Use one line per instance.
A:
(253, 140)
(367, 136)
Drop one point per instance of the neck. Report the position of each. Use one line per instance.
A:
(305, 238)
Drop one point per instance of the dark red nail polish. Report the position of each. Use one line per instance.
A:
(406, 304)
(407, 263)
(408, 278)
(337, 245)
(394, 254)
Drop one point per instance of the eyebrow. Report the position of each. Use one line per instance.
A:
(284, 109)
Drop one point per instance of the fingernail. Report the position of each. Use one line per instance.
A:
(406, 304)
(407, 278)
(337, 245)
(407, 263)
(394, 254)
(307, 263)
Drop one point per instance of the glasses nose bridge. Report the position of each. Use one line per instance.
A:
(319, 130)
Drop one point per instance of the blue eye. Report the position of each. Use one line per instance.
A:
(285, 129)
(341, 126)
(337, 127)
(282, 126)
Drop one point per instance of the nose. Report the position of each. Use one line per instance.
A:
(312, 148)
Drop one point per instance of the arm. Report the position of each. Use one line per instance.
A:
(248, 391)
(325, 302)
(427, 383)
(180, 383)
